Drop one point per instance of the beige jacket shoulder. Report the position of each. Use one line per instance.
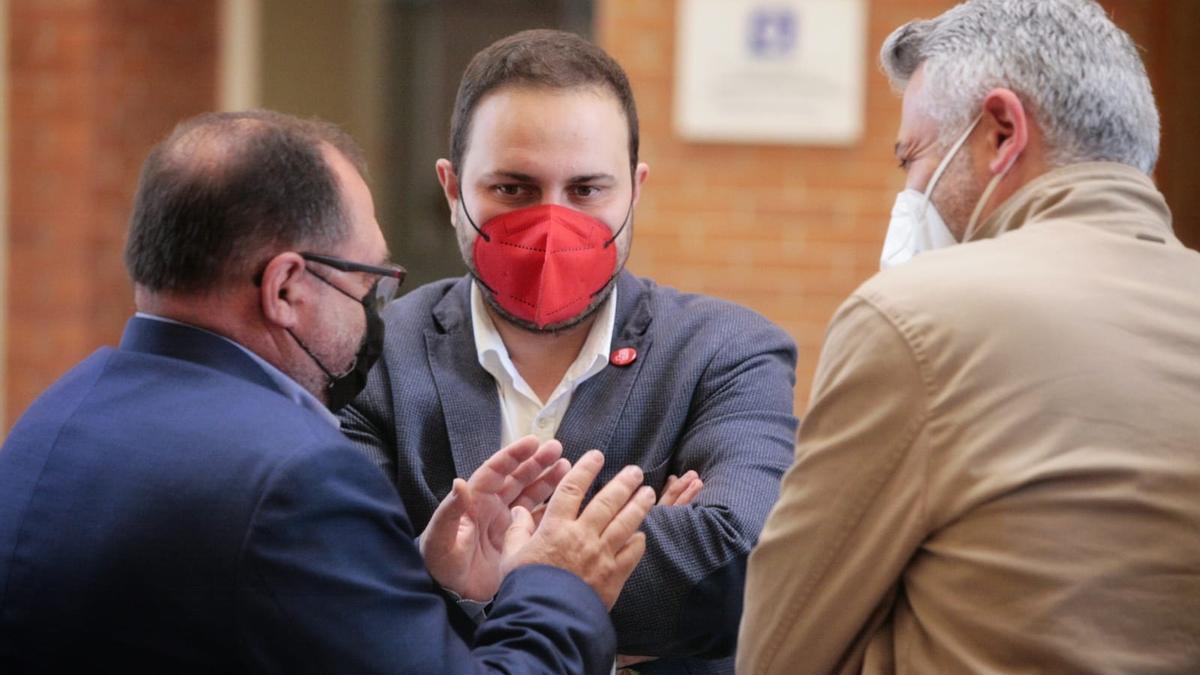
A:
(1000, 468)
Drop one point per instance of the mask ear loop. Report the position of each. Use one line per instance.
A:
(987, 195)
(462, 199)
(329, 376)
(624, 223)
(937, 174)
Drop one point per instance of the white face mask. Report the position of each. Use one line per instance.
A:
(916, 226)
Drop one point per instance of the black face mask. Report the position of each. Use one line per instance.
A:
(342, 389)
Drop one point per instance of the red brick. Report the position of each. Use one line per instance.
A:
(94, 84)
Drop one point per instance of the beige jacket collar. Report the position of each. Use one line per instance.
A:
(1115, 197)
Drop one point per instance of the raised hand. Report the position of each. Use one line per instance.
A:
(602, 544)
(463, 543)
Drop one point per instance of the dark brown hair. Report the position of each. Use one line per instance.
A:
(538, 58)
(226, 190)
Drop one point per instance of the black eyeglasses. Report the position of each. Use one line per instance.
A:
(385, 287)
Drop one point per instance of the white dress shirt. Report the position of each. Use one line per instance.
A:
(522, 412)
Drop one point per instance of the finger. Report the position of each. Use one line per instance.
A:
(442, 532)
(564, 503)
(530, 471)
(671, 491)
(519, 532)
(628, 519)
(490, 476)
(497, 521)
(537, 514)
(629, 555)
(544, 486)
(625, 560)
(681, 487)
(690, 493)
(611, 498)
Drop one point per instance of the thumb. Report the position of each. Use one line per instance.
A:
(442, 532)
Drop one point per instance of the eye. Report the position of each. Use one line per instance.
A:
(511, 191)
(585, 191)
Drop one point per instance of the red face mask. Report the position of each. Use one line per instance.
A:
(544, 264)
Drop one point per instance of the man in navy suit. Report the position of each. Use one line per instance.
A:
(548, 335)
(186, 503)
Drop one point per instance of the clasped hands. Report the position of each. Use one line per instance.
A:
(500, 519)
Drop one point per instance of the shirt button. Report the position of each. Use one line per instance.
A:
(543, 422)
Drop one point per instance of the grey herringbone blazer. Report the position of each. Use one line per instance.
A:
(710, 390)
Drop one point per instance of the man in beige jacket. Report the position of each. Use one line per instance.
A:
(999, 471)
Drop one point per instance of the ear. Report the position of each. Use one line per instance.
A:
(640, 173)
(1007, 128)
(449, 181)
(282, 292)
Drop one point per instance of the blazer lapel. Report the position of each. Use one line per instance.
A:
(467, 392)
(597, 405)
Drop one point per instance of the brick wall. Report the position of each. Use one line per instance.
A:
(93, 84)
(787, 230)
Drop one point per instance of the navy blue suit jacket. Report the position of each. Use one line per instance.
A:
(710, 390)
(163, 507)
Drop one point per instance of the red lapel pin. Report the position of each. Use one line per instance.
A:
(623, 356)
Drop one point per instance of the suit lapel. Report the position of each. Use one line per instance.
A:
(598, 404)
(467, 392)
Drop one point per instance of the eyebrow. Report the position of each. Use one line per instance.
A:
(513, 175)
(592, 177)
(526, 178)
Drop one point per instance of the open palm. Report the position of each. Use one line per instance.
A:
(463, 542)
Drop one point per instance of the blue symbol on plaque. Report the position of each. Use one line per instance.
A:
(772, 32)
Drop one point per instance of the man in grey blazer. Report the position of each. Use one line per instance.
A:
(548, 335)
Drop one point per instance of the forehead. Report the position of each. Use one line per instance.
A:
(579, 125)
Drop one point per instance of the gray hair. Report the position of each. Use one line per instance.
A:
(1079, 75)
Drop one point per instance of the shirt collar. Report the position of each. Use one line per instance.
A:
(494, 358)
(289, 387)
